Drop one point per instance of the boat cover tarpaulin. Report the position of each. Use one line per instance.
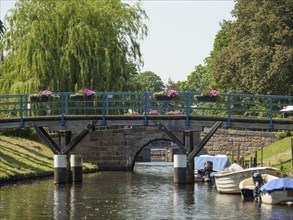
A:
(278, 185)
(220, 162)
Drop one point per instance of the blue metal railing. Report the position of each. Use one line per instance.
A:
(143, 103)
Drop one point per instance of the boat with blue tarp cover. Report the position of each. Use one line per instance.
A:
(277, 191)
(205, 166)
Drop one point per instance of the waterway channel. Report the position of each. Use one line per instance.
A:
(147, 193)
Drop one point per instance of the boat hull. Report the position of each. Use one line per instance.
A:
(277, 197)
(247, 186)
(229, 182)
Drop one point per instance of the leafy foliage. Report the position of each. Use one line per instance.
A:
(55, 45)
(199, 78)
(256, 48)
(148, 82)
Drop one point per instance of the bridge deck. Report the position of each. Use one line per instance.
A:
(174, 123)
(187, 111)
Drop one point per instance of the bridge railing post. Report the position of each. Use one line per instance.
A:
(146, 108)
(228, 125)
(104, 108)
(271, 113)
(187, 122)
(63, 109)
(27, 106)
(21, 111)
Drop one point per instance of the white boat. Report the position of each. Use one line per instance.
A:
(249, 187)
(277, 191)
(228, 181)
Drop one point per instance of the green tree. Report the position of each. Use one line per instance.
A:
(148, 82)
(257, 53)
(198, 79)
(65, 45)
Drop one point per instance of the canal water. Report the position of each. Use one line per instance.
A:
(147, 193)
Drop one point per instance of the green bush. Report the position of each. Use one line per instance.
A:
(28, 133)
(283, 134)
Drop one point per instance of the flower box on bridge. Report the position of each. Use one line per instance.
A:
(163, 97)
(207, 98)
(82, 98)
(39, 99)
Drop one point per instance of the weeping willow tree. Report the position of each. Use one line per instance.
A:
(64, 45)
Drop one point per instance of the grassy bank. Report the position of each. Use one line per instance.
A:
(21, 158)
(278, 155)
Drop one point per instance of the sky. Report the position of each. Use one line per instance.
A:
(181, 33)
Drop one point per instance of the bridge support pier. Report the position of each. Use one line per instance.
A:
(180, 168)
(60, 169)
(64, 140)
(76, 167)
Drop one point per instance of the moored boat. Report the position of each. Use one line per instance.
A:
(277, 191)
(249, 187)
(205, 166)
(228, 181)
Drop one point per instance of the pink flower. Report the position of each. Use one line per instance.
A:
(135, 113)
(172, 92)
(154, 112)
(214, 92)
(176, 112)
(86, 92)
(46, 93)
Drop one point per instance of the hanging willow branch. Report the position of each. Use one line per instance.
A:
(64, 45)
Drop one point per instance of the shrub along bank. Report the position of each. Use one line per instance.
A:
(22, 158)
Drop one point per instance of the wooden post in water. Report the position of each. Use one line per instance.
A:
(261, 156)
(233, 157)
(292, 154)
(255, 159)
(238, 154)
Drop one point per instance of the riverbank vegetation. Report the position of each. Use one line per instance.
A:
(277, 154)
(22, 158)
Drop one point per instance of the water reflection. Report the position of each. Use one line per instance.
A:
(148, 193)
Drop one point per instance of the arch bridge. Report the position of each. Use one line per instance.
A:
(66, 113)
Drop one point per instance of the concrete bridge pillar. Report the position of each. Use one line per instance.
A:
(76, 167)
(180, 168)
(60, 169)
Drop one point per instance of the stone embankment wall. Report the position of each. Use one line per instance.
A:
(117, 149)
(226, 141)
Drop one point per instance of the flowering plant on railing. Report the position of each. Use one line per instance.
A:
(209, 92)
(43, 96)
(176, 112)
(166, 94)
(84, 93)
(154, 112)
(208, 95)
(131, 112)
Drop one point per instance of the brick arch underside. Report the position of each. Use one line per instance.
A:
(115, 150)
(150, 136)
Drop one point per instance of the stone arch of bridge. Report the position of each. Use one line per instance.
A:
(145, 145)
